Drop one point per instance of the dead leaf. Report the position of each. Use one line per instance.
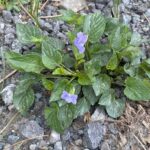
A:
(123, 140)
(87, 117)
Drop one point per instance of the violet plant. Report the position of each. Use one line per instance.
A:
(104, 67)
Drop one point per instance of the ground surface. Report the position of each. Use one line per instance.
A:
(129, 132)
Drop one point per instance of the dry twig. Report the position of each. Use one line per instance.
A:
(49, 17)
(8, 124)
(7, 76)
(139, 142)
(43, 6)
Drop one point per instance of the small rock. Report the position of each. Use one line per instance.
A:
(78, 142)
(94, 133)
(7, 16)
(66, 135)
(42, 145)
(74, 5)
(12, 139)
(10, 29)
(16, 46)
(98, 115)
(105, 146)
(113, 129)
(2, 25)
(7, 94)
(54, 137)
(126, 2)
(9, 38)
(31, 129)
(126, 18)
(8, 147)
(38, 96)
(48, 27)
(58, 146)
(33, 147)
(1, 146)
(147, 13)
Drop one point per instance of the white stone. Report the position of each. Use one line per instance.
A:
(54, 137)
(7, 94)
(98, 115)
(74, 5)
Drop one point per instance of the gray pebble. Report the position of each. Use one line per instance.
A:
(12, 139)
(31, 129)
(48, 27)
(147, 13)
(126, 18)
(66, 135)
(7, 16)
(9, 29)
(58, 146)
(126, 2)
(33, 147)
(9, 38)
(16, 46)
(94, 133)
(1, 146)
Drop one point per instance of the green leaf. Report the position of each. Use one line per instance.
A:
(107, 97)
(115, 39)
(59, 87)
(61, 71)
(28, 63)
(113, 62)
(55, 43)
(83, 79)
(47, 84)
(51, 57)
(78, 56)
(101, 84)
(116, 108)
(82, 107)
(137, 89)
(51, 117)
(131, 53)
(102, 58)
(59, 118)
(66, 115)
(68, 61)
(92, 68)
(94, 26)
(23, 97)
(28, 34)
(145, 65)
(118, 39)
(135, 39)
(89, 94)
(68, 16)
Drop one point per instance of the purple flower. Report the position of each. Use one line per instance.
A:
(80, 41)
(69, 98)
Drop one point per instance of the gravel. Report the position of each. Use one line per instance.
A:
(86, 137)
(58, 146)
(12, 139)
(94, 134)
(31, 129)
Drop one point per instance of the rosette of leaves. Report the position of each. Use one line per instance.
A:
(111, 64)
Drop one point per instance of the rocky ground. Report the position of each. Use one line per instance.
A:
(129, 132)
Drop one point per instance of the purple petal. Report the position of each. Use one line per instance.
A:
(69, 98)
(80, 41)
(64, 95)
(81, 49)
